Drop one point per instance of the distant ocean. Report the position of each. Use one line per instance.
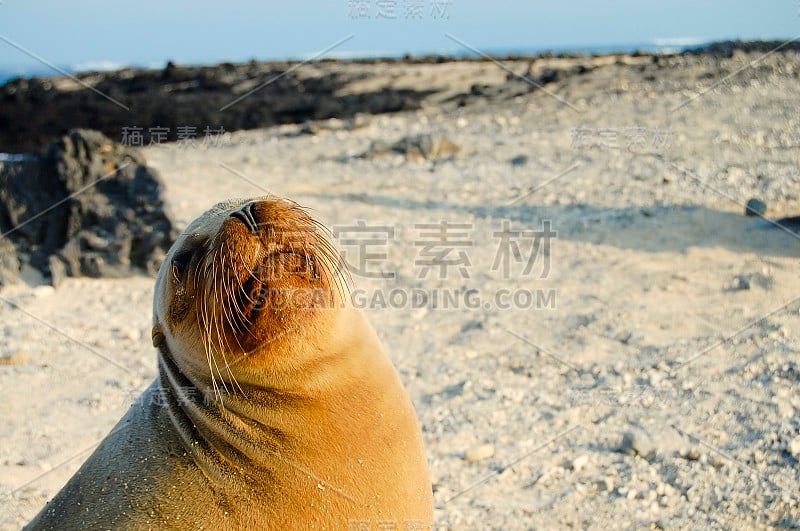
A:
(658, 46)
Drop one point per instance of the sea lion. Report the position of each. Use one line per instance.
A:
(275, 406)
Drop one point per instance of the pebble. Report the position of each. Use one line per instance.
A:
(608, 483)
(665, 489)
(15, 358)
(550, 473)
(785, 408)
(43, 291)
(580, 462)
(794, 446)
(127, 332)
(479, 453)
(755, 207)
(742, 282)
(638, 443)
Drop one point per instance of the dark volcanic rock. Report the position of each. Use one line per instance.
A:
(85, 207)
(183, 102)
(755, 207)
(726, 48)
(138, 106)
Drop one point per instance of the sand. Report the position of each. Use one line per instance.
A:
(647, 375)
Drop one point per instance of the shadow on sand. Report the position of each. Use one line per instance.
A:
(664, 228)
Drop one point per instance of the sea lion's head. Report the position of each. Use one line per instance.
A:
(242, 284)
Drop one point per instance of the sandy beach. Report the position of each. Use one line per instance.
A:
(620, 345)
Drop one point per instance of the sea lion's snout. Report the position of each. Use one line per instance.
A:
(246, 216)
(246, 273)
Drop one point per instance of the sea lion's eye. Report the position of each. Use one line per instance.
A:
(180, 264)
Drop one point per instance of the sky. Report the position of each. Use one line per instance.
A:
(91, 34)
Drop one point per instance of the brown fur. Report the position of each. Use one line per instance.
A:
(267, 413)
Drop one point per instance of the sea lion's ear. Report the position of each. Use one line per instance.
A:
(158, 335)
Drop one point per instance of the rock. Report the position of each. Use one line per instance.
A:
(415, 148)
(9, 262)
(454, 390)
(85, 206)
(794, 447)
(549, 76)
(742, 282)
(129, 333)
(580, 462)
(637, 443)
(479, 453)
(607, 484)
(727, 48)
(37, 111)
(58, 270)
(14, 359)
(43, 291)
(755, 207)
(690, 454)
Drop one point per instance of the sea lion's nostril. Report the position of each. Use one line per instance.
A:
(246, 216)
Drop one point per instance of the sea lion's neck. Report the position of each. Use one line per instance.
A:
(248, 427)
(219, 439)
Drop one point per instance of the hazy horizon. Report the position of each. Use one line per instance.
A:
(34, 35)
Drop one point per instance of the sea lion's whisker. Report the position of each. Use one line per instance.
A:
(212, 325)
(254, 302)
(217, 280)
(331, 262)
(250, 272)
(203, 307)
(341, 275)
(225, 315)
(228, 317)
(207, 338)
(241, 283)
(328, 265)
(237, 325)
